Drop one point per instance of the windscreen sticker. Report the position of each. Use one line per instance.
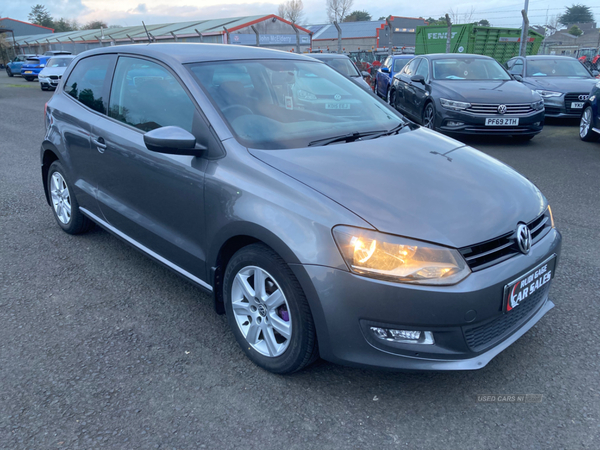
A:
(289, 104)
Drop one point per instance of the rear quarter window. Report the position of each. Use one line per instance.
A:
(86, 82)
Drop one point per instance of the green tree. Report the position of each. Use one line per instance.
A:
(576, 14)
(94, 25)
(484, 23)
(63, 24)
(40, 16)
(358, 16)
(432, 21)
(575, 31)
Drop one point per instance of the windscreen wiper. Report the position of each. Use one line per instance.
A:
(343, 138)
(389, 132)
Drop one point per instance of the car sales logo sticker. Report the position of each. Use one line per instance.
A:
(530, 283)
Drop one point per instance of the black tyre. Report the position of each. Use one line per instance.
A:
(44, 88)
(63, 202)
(428, 118)
(586, 132)
(268, 312)
(523, 137)
(392, 98)
(28, 79)
(376, 88)
(9, 72)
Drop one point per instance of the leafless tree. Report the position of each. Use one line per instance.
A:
(337, 10)
(292, 10)
(464, 17)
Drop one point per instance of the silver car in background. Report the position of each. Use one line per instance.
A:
(51, 75)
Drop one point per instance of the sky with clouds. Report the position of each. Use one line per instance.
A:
(505, 13)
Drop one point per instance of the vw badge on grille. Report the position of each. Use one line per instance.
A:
(524, 238)
(583, 97)
(501, 109)
(337, 97)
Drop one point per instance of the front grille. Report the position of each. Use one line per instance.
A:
(485, 109)
(54, 77)
(574, 97)
(480, 337)
(486, 254)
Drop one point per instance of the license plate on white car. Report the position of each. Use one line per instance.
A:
(337, 105)
(502, 122)
(576, 105)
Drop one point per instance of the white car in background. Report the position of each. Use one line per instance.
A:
(50, 75)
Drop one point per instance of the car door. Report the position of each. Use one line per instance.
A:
(383, 78)
(421, 91)
(83, 100)
(407, 88)
(155, 199)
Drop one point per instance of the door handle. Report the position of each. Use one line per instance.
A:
(100, 144)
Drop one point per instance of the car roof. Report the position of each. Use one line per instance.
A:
(534, 57)
(454, 56)
(403, 56)
(189, 53)
(62, 56)
(327, 55)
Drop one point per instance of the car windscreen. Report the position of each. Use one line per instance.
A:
(468, 69)
(277, 104)
(400, 63)
(556, 68)
(59, 62)
(343, 66)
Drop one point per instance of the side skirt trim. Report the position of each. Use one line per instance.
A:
(146, 250)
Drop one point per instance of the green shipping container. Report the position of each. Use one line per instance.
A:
(499, 43)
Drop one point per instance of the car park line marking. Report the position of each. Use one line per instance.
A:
(145, 249)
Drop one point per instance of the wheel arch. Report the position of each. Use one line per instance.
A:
(49, 154)
(232, 238)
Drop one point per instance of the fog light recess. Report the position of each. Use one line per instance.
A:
(403, 336)
(452, 123)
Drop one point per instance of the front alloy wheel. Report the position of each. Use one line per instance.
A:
(586, 133)
(267, 310)
(429, 116)
(261, 311)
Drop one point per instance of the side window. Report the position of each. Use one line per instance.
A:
(147, 96)
(517, 68)
(387, 62)
(86, 82)
(423, 69)
(412, 66)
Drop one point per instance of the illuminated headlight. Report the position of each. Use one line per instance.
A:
(548, 94)
(304, 95)
(454, 105)
(42, 65)
(539, 105)
(399, 259)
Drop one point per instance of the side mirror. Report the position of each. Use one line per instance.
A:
(595, 73)
(517, 77)
(385, 69)
(418, 79)
(365, 74)
(173, 141)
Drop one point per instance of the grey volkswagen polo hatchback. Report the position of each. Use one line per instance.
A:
(322, 221)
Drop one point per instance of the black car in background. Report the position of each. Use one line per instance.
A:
(467, 94)
(346, 67)
(563, 82)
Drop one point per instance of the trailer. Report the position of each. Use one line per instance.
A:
(499, 43)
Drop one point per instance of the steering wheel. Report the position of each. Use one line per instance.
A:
(242, 110)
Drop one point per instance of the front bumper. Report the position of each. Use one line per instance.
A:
(345, 306)
(47, 82)
(556, 108)
(529, 124)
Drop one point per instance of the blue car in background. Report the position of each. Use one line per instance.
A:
(14, 67)
(589, 126)
(33, 66)
(384, 76)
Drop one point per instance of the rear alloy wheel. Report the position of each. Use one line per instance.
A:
(429, 116)
(9, 72)
(586, 133)
(267, 311)
(64, 204)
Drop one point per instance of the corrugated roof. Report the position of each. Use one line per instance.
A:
(349, 30)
